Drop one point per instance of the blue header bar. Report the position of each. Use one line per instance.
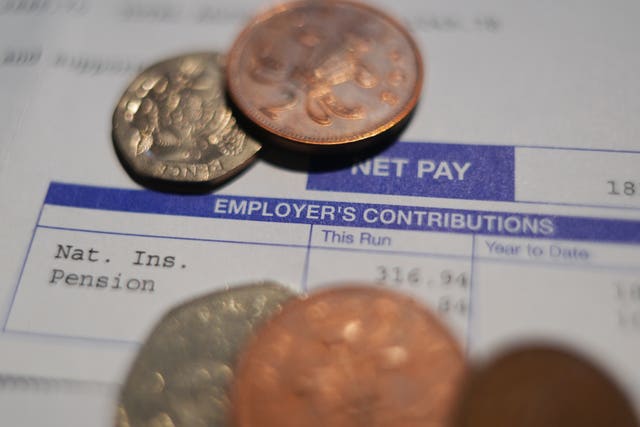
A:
(476, 172)
(346, 214)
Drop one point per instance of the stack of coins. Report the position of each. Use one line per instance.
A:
(310, 75)
(348, 356)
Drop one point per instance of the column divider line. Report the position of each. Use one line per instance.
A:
(305, 271)
(14, 293)
(472, 306)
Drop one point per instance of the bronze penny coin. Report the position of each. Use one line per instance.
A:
(543, 387)
(325, 72)
(173, 123)
(346, 357)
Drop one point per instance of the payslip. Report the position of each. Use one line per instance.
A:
(510, 205)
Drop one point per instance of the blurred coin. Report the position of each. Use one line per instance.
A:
(543, 387)
(172, 123)
(181, 373)
(348, 356)
(325, 72)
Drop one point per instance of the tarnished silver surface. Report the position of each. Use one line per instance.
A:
(181, 374)
(173, 123)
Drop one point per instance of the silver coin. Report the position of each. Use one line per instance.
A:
(173, 123)
(181, 373)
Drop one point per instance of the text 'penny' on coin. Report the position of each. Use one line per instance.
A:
(173, 123)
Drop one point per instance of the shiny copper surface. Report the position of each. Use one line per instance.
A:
(543, 387)
(325, 72)
(346, 357)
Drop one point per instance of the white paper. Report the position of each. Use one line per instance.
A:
(556, 82)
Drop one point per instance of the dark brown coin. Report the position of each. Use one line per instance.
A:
(543, 387)
(325, 72)
(346, 357)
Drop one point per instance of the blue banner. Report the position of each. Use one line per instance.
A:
(476, 172)
(326, 212)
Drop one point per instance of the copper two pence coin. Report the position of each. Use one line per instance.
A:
(543, 387)
(345, 357)
(325, 72)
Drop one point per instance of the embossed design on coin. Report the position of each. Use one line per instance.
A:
(543, 387)
(173, 123)
(181, 373)
(325, 73)
(346, 357)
